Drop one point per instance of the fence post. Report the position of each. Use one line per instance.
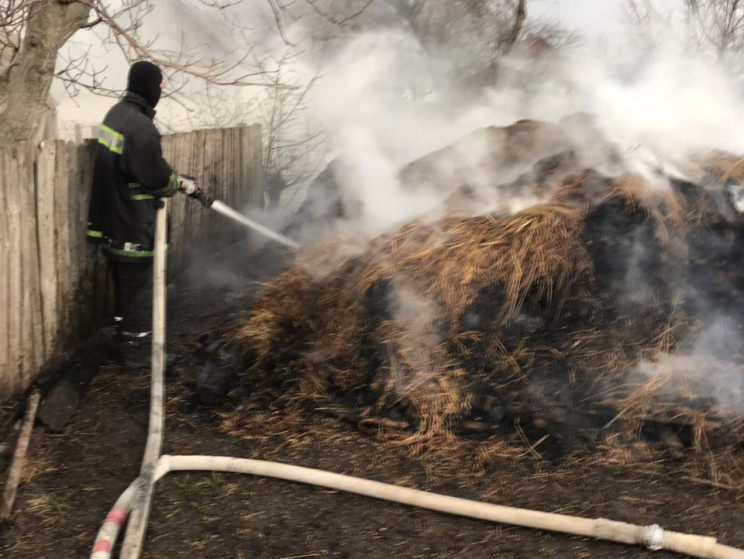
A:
(251, 166)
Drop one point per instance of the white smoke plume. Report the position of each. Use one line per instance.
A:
(384, 103)
(711, 369)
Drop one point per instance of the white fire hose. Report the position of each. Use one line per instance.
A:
(653, 537)
(143, 486)
(138, 496)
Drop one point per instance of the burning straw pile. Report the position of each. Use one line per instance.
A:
(562, 316)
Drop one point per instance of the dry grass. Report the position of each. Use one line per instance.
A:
(447, 319)
(36, 467)
(373, 300)
(51, 508)
(725, 166)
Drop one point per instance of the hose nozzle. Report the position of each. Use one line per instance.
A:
(205, 199)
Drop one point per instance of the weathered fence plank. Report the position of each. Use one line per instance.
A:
(54, 286)
(6, 383)
(221, 160)
(92, 275)
(252, 166)
(16, 268)
(45, 224)
(33, 339)
(61, 188)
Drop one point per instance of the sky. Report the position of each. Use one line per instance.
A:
(596, 20)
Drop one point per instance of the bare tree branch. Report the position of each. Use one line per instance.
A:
(92, 24)
(719, 25)
(277, 11)
(519, 19)
(339, 22)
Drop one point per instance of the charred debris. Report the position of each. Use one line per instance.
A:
(587, 301)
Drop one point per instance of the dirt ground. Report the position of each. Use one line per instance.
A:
(73, 477)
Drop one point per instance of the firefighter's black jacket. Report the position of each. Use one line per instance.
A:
(129, 177)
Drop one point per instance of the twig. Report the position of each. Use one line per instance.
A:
(617, 416)
(279, 23)
(715, 484)
(19, 457)
(531, 448)
(327, 16)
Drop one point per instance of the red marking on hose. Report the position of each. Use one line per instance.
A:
(117, 516)
(103, 545)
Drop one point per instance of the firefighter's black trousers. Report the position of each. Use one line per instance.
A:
(133, 297)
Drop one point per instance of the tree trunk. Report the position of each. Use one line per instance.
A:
(23, 96)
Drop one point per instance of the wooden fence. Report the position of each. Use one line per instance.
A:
(54, 286)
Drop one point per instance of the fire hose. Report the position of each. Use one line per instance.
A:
(653, 537)
(136, 499)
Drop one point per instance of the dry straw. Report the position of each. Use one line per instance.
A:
(445, 321)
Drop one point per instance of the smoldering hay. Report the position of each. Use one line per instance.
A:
(590, 305)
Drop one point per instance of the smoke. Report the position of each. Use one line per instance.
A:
(384, 102)
(369, 176)
(415, 346)
(385, 84)
(709, 370)
(673, 107)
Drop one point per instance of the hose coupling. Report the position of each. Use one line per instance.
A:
(653, 537)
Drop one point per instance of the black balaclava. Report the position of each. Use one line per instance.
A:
(144, 80)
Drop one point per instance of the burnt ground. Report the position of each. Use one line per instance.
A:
(74, 476)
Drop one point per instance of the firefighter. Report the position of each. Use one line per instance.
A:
(130, 177)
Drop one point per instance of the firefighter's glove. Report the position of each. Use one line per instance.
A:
(187, 185)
